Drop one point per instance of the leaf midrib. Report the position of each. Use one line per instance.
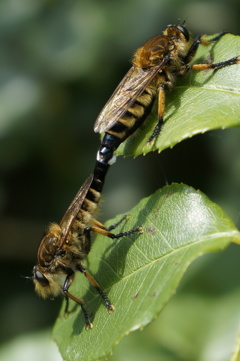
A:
(219, 235)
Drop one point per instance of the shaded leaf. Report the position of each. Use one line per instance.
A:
(141, 272)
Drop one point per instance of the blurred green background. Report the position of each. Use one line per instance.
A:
(60, 61)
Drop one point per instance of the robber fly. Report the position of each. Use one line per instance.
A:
(65, 245)
(156, 66)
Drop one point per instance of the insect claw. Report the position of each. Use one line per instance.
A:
(110, 308)
(88, 326)
(150, 142)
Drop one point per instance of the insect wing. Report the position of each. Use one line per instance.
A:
(73, 209)
(129, 89)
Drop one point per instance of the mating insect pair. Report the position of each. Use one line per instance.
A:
(156, 66)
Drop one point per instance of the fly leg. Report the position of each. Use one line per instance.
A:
(68, 295)
(200, 40)
(216, 66)
(94, 283)
(101, 229)
(161, 107)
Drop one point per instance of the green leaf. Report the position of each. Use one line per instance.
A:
(141, 272)
(201, 101)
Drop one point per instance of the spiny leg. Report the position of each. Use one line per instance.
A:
(66, 311)
(65, 289)
(212, 40)
(201, 40)
(113, 226)
(161, 108)
(68, 295)
(94, 283)
(106, 232)
(101, 229)
(216, 66)
(127, 233)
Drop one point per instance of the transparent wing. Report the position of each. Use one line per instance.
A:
(73, 209)
(129, 89)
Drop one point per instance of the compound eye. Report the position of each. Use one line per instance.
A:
(41, 278)
(184, 31)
